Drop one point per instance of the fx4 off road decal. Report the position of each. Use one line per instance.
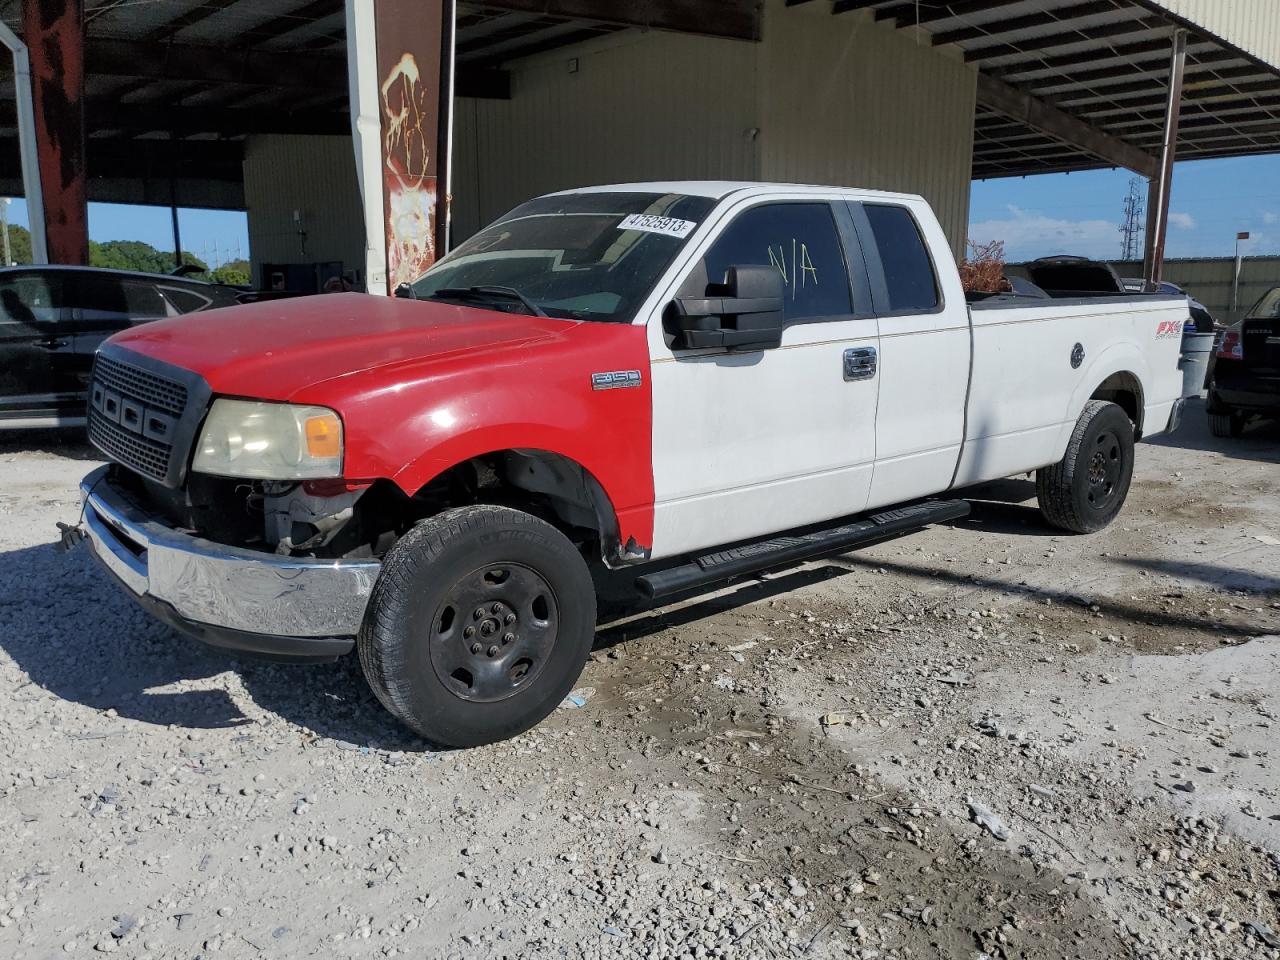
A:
(1169, 328)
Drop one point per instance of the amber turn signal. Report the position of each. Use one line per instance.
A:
(324, 436)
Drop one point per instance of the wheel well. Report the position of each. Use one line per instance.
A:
(1125, 390)
(548, 485)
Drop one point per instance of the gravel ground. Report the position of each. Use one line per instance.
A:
(986, 740)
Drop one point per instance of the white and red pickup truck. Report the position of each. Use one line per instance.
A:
(696, 381)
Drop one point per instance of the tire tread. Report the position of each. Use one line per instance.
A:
(1054, 483)
(384, 663)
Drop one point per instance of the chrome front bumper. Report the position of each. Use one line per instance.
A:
(230, 597)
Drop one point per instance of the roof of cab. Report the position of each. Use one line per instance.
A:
(719, 189)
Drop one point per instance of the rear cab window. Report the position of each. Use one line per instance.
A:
(185, 301)
(798, 239)
(910, 281)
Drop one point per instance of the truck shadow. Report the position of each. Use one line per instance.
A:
(1260, 440)
(70, 443)
(76, 635)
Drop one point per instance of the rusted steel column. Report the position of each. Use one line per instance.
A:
(54, 34)
(1158, 190)
(400, 56)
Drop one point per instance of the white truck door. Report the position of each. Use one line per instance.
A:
(751, 443)
(924, 349)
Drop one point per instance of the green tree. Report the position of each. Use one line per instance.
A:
(136, 255)
(19, 244)
(233, 272)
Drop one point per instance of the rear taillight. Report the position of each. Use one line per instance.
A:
(1230, 346)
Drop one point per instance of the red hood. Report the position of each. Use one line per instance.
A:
(274, 349)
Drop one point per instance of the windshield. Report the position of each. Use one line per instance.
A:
(1268, 307)
(578, 256)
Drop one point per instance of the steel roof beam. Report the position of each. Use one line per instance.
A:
(730, 19)
(1011, 102)
(913, 14)
(1041, 18)
(260, 68)
(1048, 42)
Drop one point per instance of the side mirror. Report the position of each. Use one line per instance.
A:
(743, 313)
(405, 291)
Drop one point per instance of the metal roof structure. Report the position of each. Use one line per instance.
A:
(1102, 62)
(174, 86)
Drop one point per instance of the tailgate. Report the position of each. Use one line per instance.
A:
(1261, 342)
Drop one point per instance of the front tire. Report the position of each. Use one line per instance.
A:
(1085, 490)
(479, 625)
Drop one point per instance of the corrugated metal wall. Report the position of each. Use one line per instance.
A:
(845, 100)
(1209, 281)
(1251, 25)
(654, 106)
(820, 100)
(315, 176)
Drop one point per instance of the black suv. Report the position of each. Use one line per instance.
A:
(52, 319)
(1244, 372)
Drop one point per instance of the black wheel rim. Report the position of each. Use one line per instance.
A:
(1106, 468)
(494, 632)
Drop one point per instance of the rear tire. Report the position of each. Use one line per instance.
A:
(1085, 490)
(479, 625)
(1226, 424)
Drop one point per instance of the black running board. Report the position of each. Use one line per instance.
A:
(786, 551)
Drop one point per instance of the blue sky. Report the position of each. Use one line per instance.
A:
(1076, 213)
(1080, 213)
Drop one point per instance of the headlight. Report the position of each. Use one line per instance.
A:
(269, 441)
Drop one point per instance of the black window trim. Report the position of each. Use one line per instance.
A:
(164, 290)
(875, 267)
(860, 295)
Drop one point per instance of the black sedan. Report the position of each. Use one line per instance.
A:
(1244, 373)
(52, 319)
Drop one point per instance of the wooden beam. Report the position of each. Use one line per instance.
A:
(1011, 102)
(731, 19)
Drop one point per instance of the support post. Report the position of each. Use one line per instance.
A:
(25, 113)
(1159, 188)
(54, 32)
(400, 68)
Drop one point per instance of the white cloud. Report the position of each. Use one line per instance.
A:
(1182, 221)
(1270, 217)
(1028, 234)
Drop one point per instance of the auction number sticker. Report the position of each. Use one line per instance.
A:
(647, 223)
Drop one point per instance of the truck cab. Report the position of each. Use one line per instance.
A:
(692, 381)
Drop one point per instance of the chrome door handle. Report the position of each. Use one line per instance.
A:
(860, 363)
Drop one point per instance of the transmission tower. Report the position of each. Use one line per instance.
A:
(1132, 227)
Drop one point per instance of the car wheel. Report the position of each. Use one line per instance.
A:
(479, 624)
(1085, 490)
(1226, 424)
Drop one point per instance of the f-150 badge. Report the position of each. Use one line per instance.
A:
(615, 380)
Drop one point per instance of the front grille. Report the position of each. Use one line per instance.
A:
(145, 456)
(136, 417)
(155, 391)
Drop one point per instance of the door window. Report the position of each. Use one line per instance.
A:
(143, 301)
(28, 299)
(911, 283)
(800, 240)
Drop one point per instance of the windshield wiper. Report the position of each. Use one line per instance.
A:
(487, 293)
